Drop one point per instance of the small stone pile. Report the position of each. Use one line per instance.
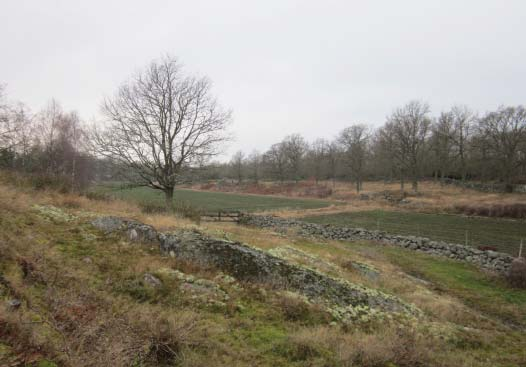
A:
(491, 260)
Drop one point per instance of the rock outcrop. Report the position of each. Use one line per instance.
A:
(250, 264)
(491, 260)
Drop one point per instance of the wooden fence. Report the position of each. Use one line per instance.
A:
(222, 216)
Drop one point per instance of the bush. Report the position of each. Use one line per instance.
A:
(295, 308)
(180, 208)
(97, 196)
(516, 210)
(149, 207)
(44, 181)
(517, 274)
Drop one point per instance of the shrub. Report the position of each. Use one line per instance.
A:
(97, 196)
(44, 181)
(149, 207)
(186, 210)
(167, 334)
(516, 210)
(180, 208)
(297, 309)
(517, 274)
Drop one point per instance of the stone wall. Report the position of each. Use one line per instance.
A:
(491, 260)
(486, 187)
(251, 264)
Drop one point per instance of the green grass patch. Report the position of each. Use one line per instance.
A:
(479, 290)
(215, 201)
(502, 234)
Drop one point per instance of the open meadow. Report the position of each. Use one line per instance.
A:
(433, 212)
(214, 201)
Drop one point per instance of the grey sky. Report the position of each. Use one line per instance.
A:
(311, 67)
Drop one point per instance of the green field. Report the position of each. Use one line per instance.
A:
(215, 201)
(504, 235)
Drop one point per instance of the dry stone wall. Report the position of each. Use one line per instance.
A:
(251, 264)
(491, 260)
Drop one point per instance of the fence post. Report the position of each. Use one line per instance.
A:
(378, 224)
(467, 238)
(520, 249)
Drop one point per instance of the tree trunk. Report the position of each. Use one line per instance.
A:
(169, 198)
(414, 184)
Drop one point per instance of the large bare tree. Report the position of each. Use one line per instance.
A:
(159, 122)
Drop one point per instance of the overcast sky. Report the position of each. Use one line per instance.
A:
(311, 67)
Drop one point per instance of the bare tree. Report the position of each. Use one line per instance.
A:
(317, 157)
(442, 141)
(254, 161)
(505, 133)
(159, 122)
(8, 125)
(276, 161)
(409, 127)
(354, 142)
(294, 148)
(237, 163)
(333, 156)
(463, 119)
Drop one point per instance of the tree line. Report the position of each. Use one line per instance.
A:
(49, 144)
(411, 145)
(163, 126)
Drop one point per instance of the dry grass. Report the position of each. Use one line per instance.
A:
(399, 346)
(432, 197)
(96, 312)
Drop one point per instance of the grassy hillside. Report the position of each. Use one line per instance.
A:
(504, 235)
(214, 201)
(88, 299)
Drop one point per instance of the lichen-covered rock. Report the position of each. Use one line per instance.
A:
(249, 264)
(305, 259)
(491, 260)
(152, 281)
(53, 213)
(136, 231)
(203, 290)
(364, 269)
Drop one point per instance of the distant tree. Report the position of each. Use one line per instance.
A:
(354, 142)
(442, 142)
(316, 158)
(294, 147)
(463, 120)
(409, 130)
(504, 132)
(254, 162)
(160, 122)
(276, 161)
(237, 162)
(333, 156)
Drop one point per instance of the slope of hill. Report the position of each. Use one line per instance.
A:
(73, 295)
